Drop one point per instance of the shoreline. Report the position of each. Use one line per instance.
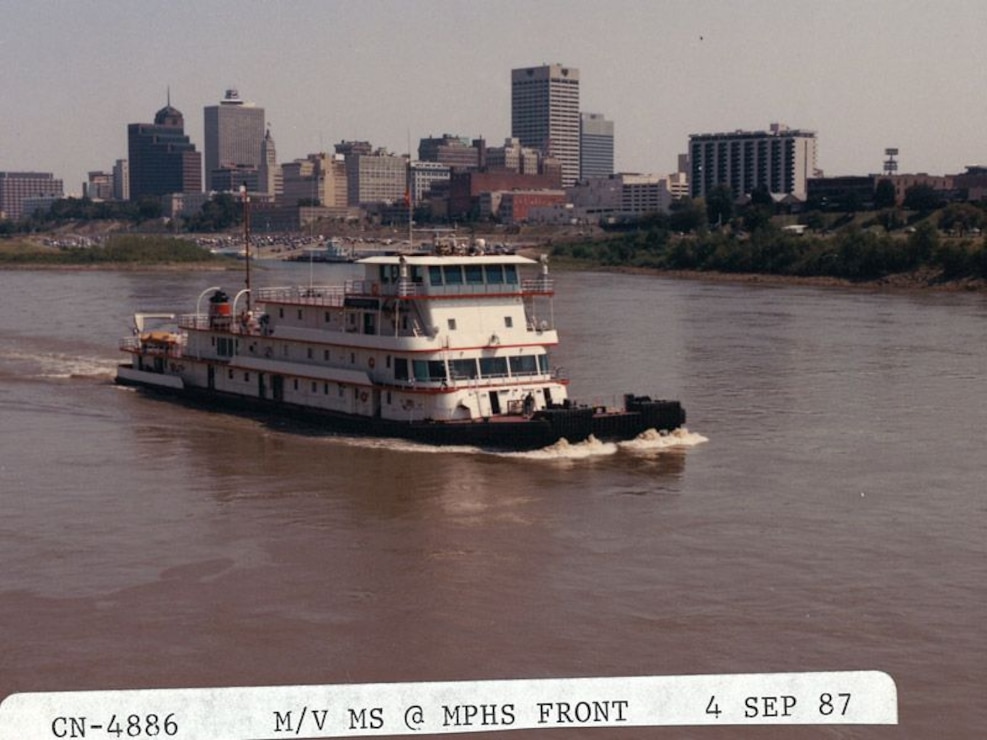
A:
(920, 281)
(901, 282)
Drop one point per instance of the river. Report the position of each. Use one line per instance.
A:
(825, 512)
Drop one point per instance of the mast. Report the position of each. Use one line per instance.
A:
(408, 197)
(246, 236)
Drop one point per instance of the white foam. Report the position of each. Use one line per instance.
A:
(647, 442)
(60, 366)
(565, 450)
(400, 445)
(652, 440)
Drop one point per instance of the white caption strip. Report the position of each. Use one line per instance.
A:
(363, 710)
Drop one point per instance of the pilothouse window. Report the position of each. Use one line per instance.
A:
(474, 274)
(461, 369)
(493, 367)
(524, 365)
(400, 368)
(429, 370)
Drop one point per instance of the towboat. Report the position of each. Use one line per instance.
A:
(448, 347)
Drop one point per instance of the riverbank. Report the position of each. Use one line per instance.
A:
(917, 280)
(922, 279)
(17, 258)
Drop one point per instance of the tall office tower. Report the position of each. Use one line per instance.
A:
(545, 114)
(271, 181)
(162, 159)
(99, 186)
(234, 134)
(375, 178)
(17, 188)
(595, 146)
(121, 180)
(319, 179)
(780, 159)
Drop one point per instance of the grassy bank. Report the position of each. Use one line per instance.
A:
(919, 257)
(119, 250)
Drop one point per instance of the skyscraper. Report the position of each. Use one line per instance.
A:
(234, 132)
(595, 146)
(270, 172)
(16, 188)
(121, 180)
(545, 113)
(162, 160)
(780, 160)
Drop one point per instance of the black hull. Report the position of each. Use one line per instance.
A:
(545, 427)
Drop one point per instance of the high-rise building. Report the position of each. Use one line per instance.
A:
(162, 160)
(317, 180)
(455, 151)
(514, 157)
(99, 186)
(545, 114)
(375, 178)
(780, 159)
(18, 187)
(595, 146)
(271, 181)
(121, 180)
(424, 175)
(234, 134)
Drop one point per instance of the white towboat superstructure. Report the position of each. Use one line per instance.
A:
(450, 347)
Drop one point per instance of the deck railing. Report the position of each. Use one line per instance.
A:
(315, 295)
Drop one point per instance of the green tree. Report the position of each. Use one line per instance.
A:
(218, 213)
(149, 207)
(922, 197)
(884, 194)
(961, 217)
(922, 244)
(719, 205)
(687, 215)
(761, 196)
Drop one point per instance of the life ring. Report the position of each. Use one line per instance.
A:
(363, 396)
(371, 362)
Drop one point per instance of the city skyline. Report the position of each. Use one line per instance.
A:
(862, 76)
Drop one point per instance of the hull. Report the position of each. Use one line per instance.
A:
(515, 433)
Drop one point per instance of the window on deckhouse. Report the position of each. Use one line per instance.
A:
(429, 370)
(524, 365)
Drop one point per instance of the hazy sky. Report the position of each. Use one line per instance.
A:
(864, 75)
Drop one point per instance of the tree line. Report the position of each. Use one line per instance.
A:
(715, 236)
(221, 212)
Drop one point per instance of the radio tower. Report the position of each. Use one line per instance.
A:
(890, 165)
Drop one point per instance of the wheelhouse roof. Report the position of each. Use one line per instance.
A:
(433, 259)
